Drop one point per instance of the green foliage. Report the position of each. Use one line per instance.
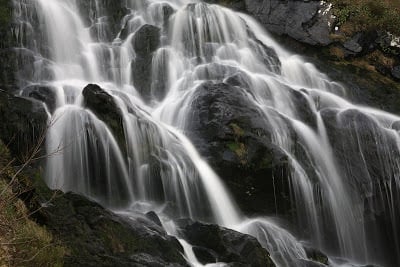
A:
(364, 15)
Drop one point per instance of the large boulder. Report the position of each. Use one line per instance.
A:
(95, 236)
(23, 123)
(103, 105)
(145, 41)
(213, 243)
(232, 134)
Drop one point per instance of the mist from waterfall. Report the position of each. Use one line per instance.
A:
(156, 167)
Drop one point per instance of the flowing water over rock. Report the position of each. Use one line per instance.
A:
(124, 142)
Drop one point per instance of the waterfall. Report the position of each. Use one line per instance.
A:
(349, 167)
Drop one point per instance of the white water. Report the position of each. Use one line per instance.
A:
(202, 42)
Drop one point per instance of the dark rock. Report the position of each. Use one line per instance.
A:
(268, 55)
(103, 105)
(232, 134)
(353, 46)
(98, 237)
(17, 65)
(23, 123)
(363, 87)
(152, 216)
(42, 93)
(306, 21)
(145, 42)
(396, 125)
(361, 43)
(229, 246)
(396, 72)
(205, 255)
(353, 133)
(104, 23)
(316, 255)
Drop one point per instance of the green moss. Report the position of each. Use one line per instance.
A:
(240, 150)
(5, 12)
(237, 130)
(362, 15)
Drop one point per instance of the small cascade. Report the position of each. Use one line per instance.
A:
(126, 142)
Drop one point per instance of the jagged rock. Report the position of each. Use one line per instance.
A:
(216, 244)
(42, 93)
(98, 237)
(231, 133)
(145, 41)
(23, 123)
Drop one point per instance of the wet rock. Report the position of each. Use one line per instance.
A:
(102, 104)
(396, 125)
(17, 65)
(316, 255)
(42, 93)
(233, 135)
(98, 237)
(305, 21)
(145, 42)
(268, 55)
(152, 216)
(205, 255)
(103, 17)
(363, 149)
(23, 123)
(231, 247)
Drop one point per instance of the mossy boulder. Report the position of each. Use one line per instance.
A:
(234, 136)
(95, 236)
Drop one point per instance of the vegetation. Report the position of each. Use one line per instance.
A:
(5, 12)
(22, 241)
(365, 15)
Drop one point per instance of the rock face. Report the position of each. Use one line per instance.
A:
(305, 21)
(23, 123)
(232, 135)
(98, 237)
(351, 133)
(216, 244)
(145, 41)
(103, 17)
(42, 93)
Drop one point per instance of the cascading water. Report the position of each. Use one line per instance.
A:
(351, 163)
